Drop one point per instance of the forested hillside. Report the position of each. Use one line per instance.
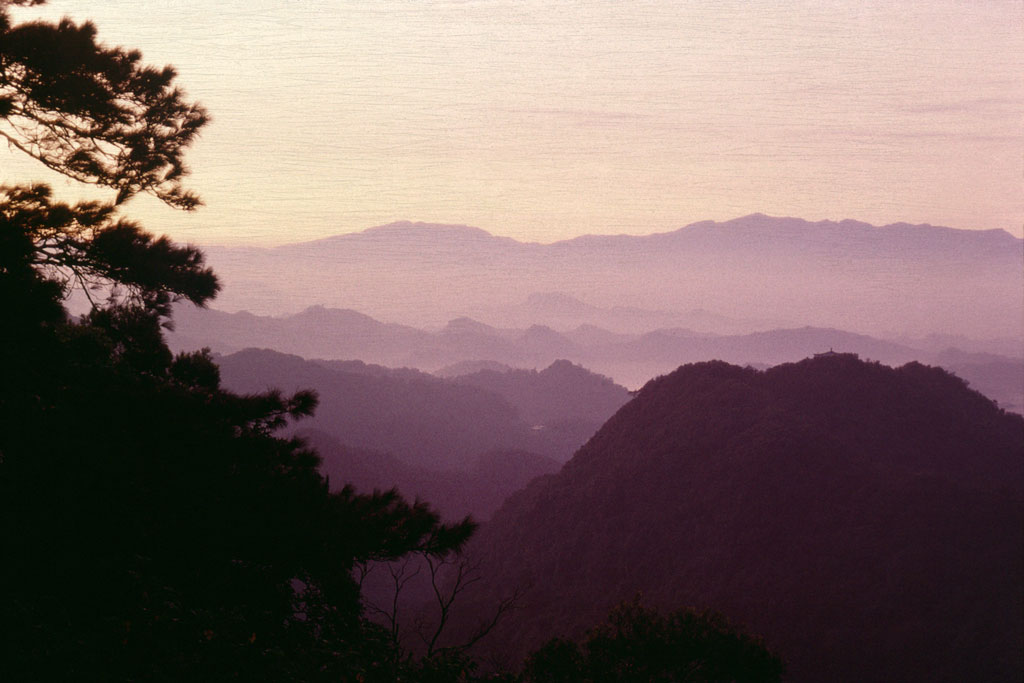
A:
(865, 520)
(562, 392)
(435, 423)
(477, 489)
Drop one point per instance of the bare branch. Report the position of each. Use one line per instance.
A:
(505, 605)
(450, 577)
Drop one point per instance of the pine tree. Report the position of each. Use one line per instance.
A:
(154, 525)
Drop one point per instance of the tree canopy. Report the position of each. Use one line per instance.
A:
(155, 526)
(636, 643)
(94, 113)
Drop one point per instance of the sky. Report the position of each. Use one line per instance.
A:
(542, 121)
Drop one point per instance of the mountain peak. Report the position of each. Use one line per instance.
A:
(464, 325)
(321, 313)
(856, 516)
(420, 228)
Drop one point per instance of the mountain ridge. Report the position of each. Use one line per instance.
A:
(864, 520)
(405, 228)
(429, 421)
(630, 359)
(900, 278)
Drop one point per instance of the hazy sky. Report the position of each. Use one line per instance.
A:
(546, 120)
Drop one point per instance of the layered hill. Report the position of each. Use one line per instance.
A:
(866, 520)
(464, 346)
(476, 490)
(913, 279)
(561, 393)
(315, 332)
(430, 422)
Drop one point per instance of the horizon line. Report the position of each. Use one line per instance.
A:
(599, 235)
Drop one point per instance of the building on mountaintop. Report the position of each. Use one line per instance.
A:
(830, 353)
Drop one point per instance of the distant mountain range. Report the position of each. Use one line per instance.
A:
(464, 346)
(865, 520)
(755, 273)
(432, 423)
(476, 490)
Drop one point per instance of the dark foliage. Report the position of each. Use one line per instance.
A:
(639, 644)
(82, 245)
(94, 113)
(154, 527)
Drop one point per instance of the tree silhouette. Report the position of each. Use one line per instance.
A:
(443, 579)
(84, 246)
(94, 113)
(154, 526)
(639, 644)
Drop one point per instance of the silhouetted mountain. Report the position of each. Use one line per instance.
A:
(424, 420)
(564, 402)
(316, 332)
(360, 368)
(630, 360)
(561, 311)
(561, 392)
(867, 521)
(478, 490)
(896, 279)
(468, 367)
(1011, 347)
(998, 377)
(655, 353)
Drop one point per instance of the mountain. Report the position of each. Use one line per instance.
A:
(562, 311)
(1012, 347)
(469, 367)
(424, 421)
(634, 361)
(561, 392)
(315, 332)
(476, 491)
(896, 279)
(998, 377)
(565, 402)
(427, 421)
(867, 521)
(464, 345)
